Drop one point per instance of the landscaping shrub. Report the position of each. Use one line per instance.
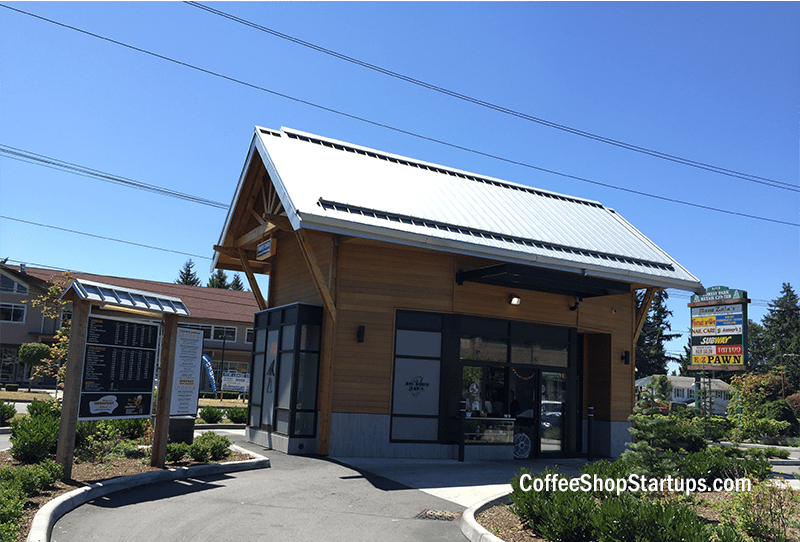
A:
(720, 462)
(16, 485)
(35, 436)
(209, 445)
(7, 411)
(236, 414)
(176, 451)
(9, 532)
(765, 511)
(555, 515)
(12, 387)
(210, 414)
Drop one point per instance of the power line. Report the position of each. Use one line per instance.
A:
(489, 105)
(46, 161)
(103, 237)
(398, 130)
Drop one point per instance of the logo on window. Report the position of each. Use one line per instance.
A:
(416, 385)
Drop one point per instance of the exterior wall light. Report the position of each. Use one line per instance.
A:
(514, 300)
(626, 357)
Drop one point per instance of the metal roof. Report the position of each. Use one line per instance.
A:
(114, 296)
(339, 187)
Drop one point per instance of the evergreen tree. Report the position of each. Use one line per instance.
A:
(187, 275)
(219, 280)
(757, 359)
(651, 356)
(782, 333)
(236, 283)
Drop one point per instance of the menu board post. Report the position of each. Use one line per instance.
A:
(158, 455)
(72, 386)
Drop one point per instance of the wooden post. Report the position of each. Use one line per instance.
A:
(161, 431)
(326, 362)
(72, 385)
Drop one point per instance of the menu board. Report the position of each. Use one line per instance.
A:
(186, 379)
(118, 369)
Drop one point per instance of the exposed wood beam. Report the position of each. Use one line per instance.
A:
(257, 216)
(256, 234)
(316, 273)
(252, 280)
(641, 312)
(232, 253)
(281, 221)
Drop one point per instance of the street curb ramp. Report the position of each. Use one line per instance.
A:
(50, 513)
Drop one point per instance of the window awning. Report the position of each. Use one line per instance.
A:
(126, 299)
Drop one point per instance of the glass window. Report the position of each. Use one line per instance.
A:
(270, 377)
(12, 312)
(304, 423)
(536, 353)
(419, 343)
(248, 335)
(307, 381)
(282, 421)
(261, 340)
(11, 286)
(476, 348)
(285, 370)
(309, 337)
(287, 338)
(416, 387)
(224, 333)
(484, 388)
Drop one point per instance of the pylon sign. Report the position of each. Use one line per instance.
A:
(719, 329)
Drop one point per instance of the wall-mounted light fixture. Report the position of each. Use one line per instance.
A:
(360, 334)
(514, 299)
(626, 357)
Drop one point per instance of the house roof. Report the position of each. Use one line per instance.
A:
(202, 303)
(685, 382)
(338, 187)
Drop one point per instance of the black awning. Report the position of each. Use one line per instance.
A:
(543, 280)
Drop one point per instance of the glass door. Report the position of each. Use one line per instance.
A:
(554, 394)
(524, 408)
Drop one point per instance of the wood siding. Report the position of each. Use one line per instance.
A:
(375, 279)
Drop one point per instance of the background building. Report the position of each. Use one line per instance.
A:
(225, 316)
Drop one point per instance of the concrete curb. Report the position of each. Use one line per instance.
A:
(471, 529)
(51, 512)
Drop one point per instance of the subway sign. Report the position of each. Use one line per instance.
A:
(719, 329)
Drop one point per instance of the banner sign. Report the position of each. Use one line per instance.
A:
(719, 329)
(186, 378)
(118, 369)
(235, 381)
(210, 372)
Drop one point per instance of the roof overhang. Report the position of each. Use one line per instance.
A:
(543, 280)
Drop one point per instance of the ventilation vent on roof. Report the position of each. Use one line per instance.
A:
(482, 234)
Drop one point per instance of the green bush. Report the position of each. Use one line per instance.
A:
(35, 436)
(176, 451)
(236, 414)
(7, 411)
(555, 515)
(210, 414)
(9, 532)
(12, 387)
(720, 462)
(12, 501)
(31, 478)
(209, 445)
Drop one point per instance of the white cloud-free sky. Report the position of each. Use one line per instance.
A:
(716, 83)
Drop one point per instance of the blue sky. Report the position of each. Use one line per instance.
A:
(717, 83)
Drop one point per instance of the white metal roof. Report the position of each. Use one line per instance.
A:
(343, 188)
(126, 298)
